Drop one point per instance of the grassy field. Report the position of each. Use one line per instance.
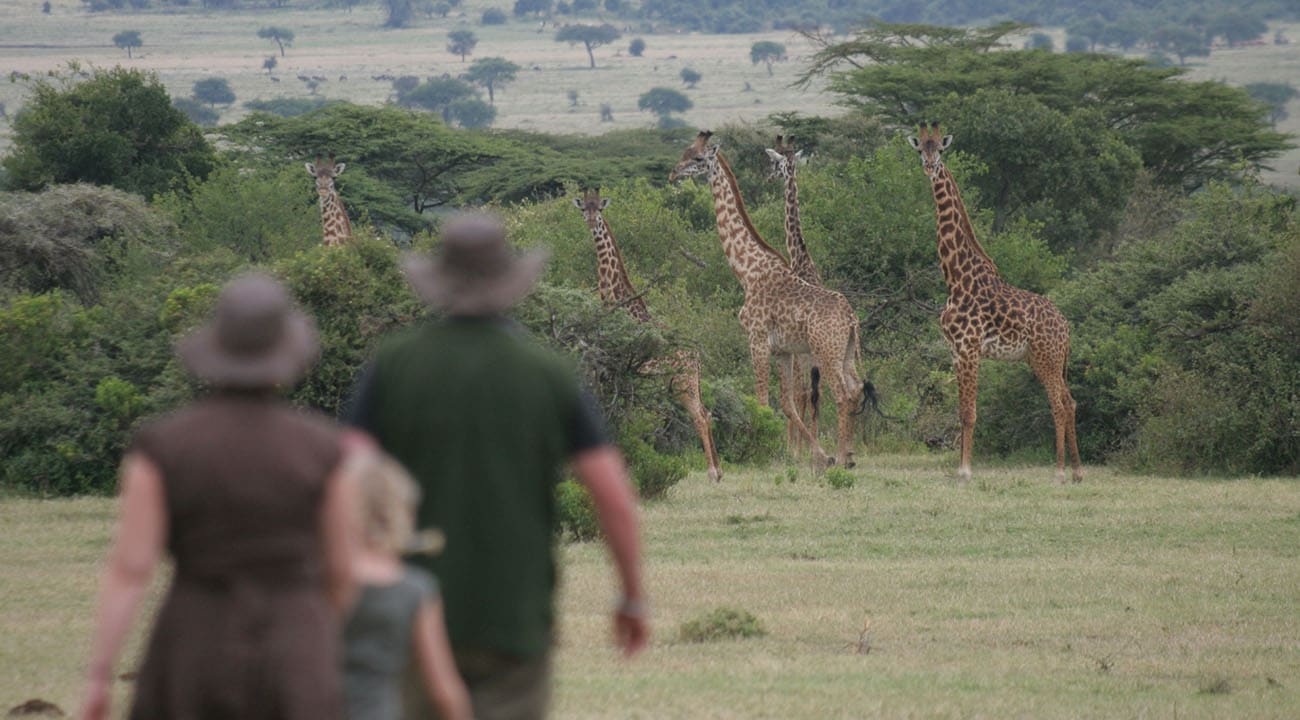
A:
(349, 50)
(1132, 597)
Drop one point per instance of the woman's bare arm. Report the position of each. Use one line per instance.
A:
(137, 544)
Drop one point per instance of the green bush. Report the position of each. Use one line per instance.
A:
(723, 623)
(839, 478)
(652, 472)
(745, 432)
(575, 512)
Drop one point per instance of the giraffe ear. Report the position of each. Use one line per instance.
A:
(947, 140)
(577, 202)
(311, 169)
(776, 156)
(338, 169)
(604, 203)
(916, 144)
(798, 154)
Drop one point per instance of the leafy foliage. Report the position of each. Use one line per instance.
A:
(128, 39)
(461, 42)
(214, 91)
(723, 623)
(491, 73)
(281, 36)
(118, 127)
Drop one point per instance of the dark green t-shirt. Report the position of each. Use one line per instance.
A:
(485, 420)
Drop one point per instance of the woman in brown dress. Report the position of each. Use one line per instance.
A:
(244, 492)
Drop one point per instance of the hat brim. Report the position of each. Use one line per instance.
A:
(283, 364)
(456, 294)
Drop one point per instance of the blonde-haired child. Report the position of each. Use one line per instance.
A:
(398, 611)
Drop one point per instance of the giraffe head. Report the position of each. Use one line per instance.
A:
(591, 204)
(700, 158)
(783, 157)
(930, 143)
(325, 171)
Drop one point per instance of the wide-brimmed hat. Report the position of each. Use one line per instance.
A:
(255, 339)
(474, 272)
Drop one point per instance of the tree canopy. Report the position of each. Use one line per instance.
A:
(1186, 132)
(591, 37)
(491, 73)
(117, 127)
(766, 52)
(128, 39)
(281, 36)
(214, 91)
(461, 42)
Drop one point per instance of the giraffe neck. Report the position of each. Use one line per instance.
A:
(800, 261)
(960, 254)
(337, 229)
(611, 274)
(749, 256)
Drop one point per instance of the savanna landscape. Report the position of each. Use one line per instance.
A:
(1152, 199)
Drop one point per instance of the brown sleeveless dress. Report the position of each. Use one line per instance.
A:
(246, 630)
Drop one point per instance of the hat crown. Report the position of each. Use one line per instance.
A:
(475, 246)
(251, 314)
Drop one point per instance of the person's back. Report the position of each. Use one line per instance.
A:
(486, 419)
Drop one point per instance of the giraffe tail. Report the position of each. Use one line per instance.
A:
(871, 397)
(814, 390)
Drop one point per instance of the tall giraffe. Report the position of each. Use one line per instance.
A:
(782, 314)
(616, 290)
(336, 228)
(985, 317)
(805, 374)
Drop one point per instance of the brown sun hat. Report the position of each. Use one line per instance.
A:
(474, 272)
(255, 339)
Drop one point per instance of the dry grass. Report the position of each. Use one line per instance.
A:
(183, 47)
(1013, 597)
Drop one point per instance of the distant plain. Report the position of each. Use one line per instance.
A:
(349, 50)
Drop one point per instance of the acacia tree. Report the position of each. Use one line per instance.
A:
(281, 36)
(663, 102)
(461, 42)
(691, 76)
(1275, 95)
(1185, 132)
(214, 91)
(437, 95)
(128, 39)
(491, 73)
(766, 52)
(591, 37)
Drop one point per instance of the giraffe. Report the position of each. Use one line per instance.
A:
(985, 317)
(337, 229)
(782, 314)
(805, 374)
(616, 290)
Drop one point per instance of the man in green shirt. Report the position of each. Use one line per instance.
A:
(487, 420)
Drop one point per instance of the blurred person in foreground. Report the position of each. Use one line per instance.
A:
(486, 420)
(397, 616)
(245, 492)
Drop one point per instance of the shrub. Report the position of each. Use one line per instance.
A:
(292, 107)
(722, 623)
(493, 16)
(653, 472)
(745, 432)
(636, 47)
(840, 478)
(575, 513)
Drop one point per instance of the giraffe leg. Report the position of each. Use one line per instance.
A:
(1076, 467)
(1049, 372)
(760, 355)
(687, 384)
(788, 405)
(789, 378)
(807, 408)
(968, 378)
